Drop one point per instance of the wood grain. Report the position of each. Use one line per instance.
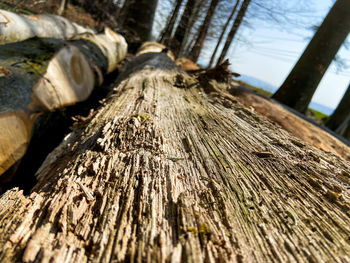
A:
(165, 172)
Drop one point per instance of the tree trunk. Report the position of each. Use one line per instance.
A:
(198, 44)
(166, 34)
(16, 27)
(62, 8)
(44, 75)
(346, 133)
(167, 171)
(344, 128)
(223, 33)
(341, 112)
(301, 83)
(139, 18)
(182, 27)
(234, 29)
(187, 43)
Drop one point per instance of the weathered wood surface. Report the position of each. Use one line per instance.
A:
(17, 27)
(39, 75)
(165, 172)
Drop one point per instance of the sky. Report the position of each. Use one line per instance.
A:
(272, 52)
(275, 53)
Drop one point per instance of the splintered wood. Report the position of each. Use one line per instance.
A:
(168, 174)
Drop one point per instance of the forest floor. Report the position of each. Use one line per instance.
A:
(299, 127)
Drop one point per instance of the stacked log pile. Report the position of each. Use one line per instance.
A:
(44, 74)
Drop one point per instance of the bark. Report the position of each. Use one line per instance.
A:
(178, 39)
(223, 33)
(341, 113)
(301, 83)
(139, 18)
(234, 29)
(168, 30)
(198, 44)
(167, 171)
(40, 75)
(17, 27)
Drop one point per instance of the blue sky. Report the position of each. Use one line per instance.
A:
(271, 53)
(275, 52)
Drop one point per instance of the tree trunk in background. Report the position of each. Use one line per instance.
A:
(182, 27)
(62, 8)
(166, 34)
(187, 43)
(170, 169)
(223, 33)
(346, 133)
(341, 112)
(139, 18)
(234, 29)
(301, 83)
(197, 47)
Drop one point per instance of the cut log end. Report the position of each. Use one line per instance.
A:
(112, 45)
(14, 137)
(154, 47)
(67, 81)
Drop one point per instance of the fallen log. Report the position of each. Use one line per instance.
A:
(166, 172)
(46, 74)
(17, 27)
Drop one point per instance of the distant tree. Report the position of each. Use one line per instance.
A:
(299, 87)
(223, 33)
(196, 49)
(341, 113)
(191, 31)
(182, 27)
(139, 16)
(234, 29)
(62, 8)
(169, 28)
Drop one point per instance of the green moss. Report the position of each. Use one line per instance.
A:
(192, 230)
(204, 229)
(143, 117)
(175, 159)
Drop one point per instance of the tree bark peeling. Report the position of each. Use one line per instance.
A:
(166, 172)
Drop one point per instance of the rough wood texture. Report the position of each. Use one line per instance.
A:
(165, 172)
(46, 74)
(16, 27)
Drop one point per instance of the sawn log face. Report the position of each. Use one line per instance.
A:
(166, 172)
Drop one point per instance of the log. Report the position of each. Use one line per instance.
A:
(17, 27)
(154, 47)
(167, 171)
(40, 75)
